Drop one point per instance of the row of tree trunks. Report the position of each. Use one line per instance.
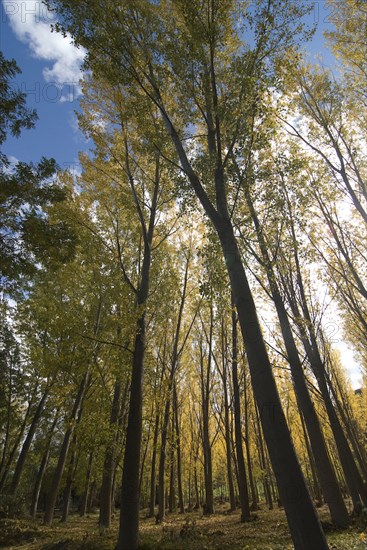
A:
(302, 517)
(325, 470)
(352, 475)
(42, 467)
(106, 496)
(175, 354)
(7, 459)
(69, 433)
(28, 441)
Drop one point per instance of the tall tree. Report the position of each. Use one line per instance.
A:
(190, 62)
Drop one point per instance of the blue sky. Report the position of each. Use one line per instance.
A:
(50, 77)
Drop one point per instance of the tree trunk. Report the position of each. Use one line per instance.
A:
(52, 496)
(27, 442)
(308, 337)
(311, 459)
(242, 481)
(10, 458)
(42, 469)
(91, 497)
(105, 509)
(227, 431)
(353, 477)
(84, 502)
(153, 469)
(172, 493)
(254, 498)
(178, 452)
(171, 381)
(205, 373)
(345, 413)
(69, 481)
(263, 463)
(129, 508)
(162, 464)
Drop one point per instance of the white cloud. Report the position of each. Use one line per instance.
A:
(30, 21)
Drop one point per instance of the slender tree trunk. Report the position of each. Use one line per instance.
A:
(27, 442)
(52, 495)
(84, 502)
(171, 380)
(242, 481)
(42, 469)
(178, 452)
(353, 478)
(105, 509)
(162, 464)
(38, 483)
(69, 481)
(227, 430)
(325, 470)
(316, 485)
(153, 468)
(15, 447)
(172, 492)
(346, 416)
(254, 499)
(196, 484)
(205, 375)
(263, 463)
(91, 497)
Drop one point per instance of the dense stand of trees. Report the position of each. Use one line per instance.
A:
(136, 370)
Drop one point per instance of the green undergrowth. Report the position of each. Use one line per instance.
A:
(192, 531)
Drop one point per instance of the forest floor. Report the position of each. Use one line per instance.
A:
(222, 531)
